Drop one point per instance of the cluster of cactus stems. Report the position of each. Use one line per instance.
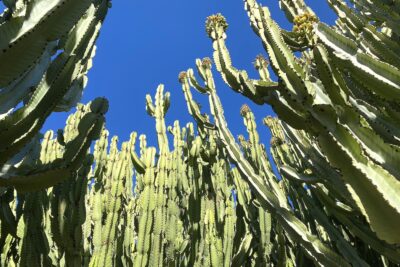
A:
(188, 206)
(46, 50)
(204, 198)
(338, 105)
(182, 210)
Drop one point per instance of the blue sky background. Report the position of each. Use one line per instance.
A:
(145, 43)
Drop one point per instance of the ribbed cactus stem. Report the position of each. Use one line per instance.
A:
(147, 201)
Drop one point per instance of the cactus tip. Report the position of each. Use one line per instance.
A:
(215, 22)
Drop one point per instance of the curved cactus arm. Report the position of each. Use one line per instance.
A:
(150, 108)
(192, 80)
(379, 77)
(37, 181)
(86, 30)
(238, 80)
(26, 158)
(378, 170)
(282, 59)
(265, 87)
(75, 150)
(23, 41)
(365, 162)
(193, 107)
(352, 141)
(297, 119)
(376, 149)
(261, 65)
(158, 110)
(137, 162)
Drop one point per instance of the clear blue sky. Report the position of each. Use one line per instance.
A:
(144, 43)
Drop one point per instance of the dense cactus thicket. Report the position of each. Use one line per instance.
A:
(339, 102)
(204, 198)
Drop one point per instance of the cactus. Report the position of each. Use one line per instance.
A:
(45, 55)
(335, 100)
(189, 206)
(181, 211)
(325, 195)
(51, 171)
